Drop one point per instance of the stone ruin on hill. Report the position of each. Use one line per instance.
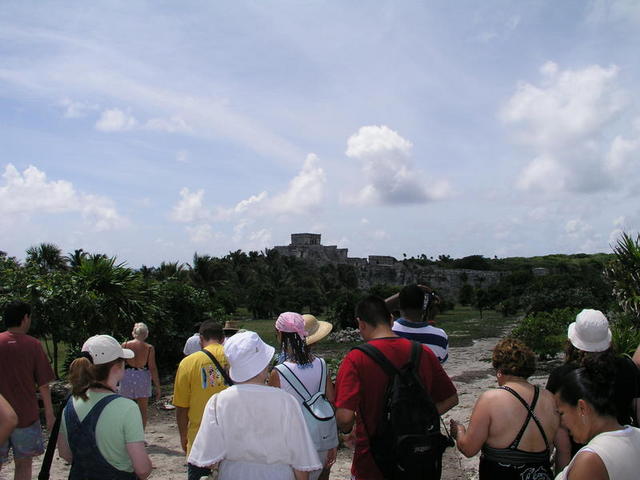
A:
(382, 269)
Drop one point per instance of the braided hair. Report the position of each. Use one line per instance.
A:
(295, 348)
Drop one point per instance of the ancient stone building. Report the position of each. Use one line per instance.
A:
(379, 269)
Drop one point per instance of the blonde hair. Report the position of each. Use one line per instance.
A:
(140, 330)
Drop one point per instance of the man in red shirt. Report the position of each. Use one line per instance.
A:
(25, 367)
(361, 383)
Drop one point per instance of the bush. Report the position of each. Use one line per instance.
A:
(545, 332)
(625, 336)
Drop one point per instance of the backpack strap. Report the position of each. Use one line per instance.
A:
(377, 356)
(222, 371)
(323, 376)
(294, 381)
(389, 368)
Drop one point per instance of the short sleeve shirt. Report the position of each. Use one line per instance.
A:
(196, 381)
(25, 367)
(120, 423)
(361, 384)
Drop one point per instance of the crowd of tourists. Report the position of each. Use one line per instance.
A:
(246, 410)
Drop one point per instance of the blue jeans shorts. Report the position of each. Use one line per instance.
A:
(25, 442)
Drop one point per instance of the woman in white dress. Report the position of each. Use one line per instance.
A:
(586, 406)
(252, 430)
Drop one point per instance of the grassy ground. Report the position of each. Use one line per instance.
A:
(462, 324)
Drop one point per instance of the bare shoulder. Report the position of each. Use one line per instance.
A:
(588, 465)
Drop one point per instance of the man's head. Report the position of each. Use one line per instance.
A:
(15, 312)
(210, 331)
(417, 300)
(372, 313)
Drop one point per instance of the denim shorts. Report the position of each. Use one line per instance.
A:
(25, 442)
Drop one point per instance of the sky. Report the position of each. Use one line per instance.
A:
(151, 130)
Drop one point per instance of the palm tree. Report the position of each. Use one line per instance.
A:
(76, 258)
(624, 274)
(47, 257)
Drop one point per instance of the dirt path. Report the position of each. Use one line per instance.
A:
(469, 367)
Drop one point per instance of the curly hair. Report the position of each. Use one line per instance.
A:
(577, 357)
(512, 357)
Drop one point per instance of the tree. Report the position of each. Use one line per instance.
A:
(47, 257)
(624, 274)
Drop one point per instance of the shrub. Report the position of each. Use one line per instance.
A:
(545, 332)
(625, 336)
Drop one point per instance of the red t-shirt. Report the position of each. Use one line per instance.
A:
(360, 386)
(24, 367)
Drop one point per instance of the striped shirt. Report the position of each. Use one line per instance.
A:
(434, 338)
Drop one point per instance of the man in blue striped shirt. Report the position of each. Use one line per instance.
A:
(418, 306)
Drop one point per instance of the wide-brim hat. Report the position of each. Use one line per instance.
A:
(105, 349)
(231, 326)
(248, 355)
(590, 332)
(316, 329)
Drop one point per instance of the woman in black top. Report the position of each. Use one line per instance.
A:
(513, 424)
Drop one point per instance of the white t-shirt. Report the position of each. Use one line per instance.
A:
(619, 451)
(257, 431)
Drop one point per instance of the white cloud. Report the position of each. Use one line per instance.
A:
(576, 227)
(569, 105)
(174, 124)
(29, 193)
(201, 233)
(568, 122)
(304, 194)
(182, 156)
(305, 191)
(190, 207)
(115, 120)
(73, 109)
(388, 169)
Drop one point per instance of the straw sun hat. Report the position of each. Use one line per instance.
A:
(315, 328)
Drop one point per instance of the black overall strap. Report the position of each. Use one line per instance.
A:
(530, 415)
(45, 468)
(222, 371)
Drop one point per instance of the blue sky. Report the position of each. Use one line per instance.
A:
(150, 130)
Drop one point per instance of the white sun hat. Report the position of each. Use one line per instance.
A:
(590, 332)
(248, 355)
(104, 349)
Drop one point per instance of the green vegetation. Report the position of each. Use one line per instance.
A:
(82, 294)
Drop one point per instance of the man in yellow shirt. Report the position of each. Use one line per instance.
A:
(197, 379)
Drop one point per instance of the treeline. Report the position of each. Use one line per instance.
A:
(81, 294)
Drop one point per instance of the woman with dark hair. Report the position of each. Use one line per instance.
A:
(512, 424)
(302, 374)
(101, 433)
(586, 404)
(589, 339)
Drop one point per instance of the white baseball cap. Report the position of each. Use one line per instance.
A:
(248, 355)
(590, 332)
(104, 349)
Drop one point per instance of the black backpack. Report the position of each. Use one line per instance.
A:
(407, 443)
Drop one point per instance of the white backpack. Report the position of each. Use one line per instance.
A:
(317, 410)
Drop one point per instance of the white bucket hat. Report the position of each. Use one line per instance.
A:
(248, 355)
(104, 349)
(590, 332)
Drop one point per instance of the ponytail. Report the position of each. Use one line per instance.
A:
(83, 374)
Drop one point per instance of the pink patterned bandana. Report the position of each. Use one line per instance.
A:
(291, 322)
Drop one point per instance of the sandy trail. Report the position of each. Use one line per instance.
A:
(469, 367)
